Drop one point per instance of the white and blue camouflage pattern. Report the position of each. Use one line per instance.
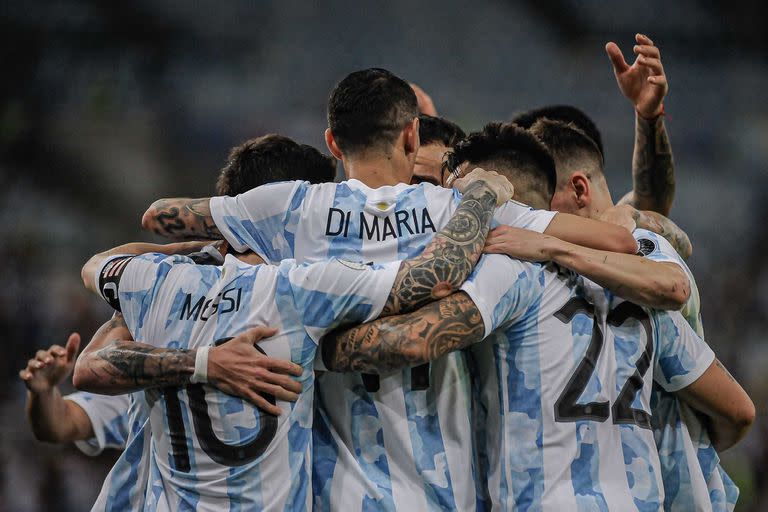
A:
(583, 461)
(693, 476)
(401, 440)
(170, 302)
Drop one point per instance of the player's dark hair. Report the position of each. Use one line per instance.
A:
(564, 113)
(513, 151)
(569, 146)
(368, 108)
(272, 158)
(439, 130)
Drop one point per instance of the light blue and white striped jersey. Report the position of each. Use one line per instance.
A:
(564, 388)
(401, 440)
(209, 450)
(109, 418)
(693, 477)
(125, 486)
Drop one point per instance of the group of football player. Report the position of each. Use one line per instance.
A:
(465, 322)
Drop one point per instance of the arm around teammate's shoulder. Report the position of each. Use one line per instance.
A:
(592, 233)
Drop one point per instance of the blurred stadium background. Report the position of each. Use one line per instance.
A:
(107, 106)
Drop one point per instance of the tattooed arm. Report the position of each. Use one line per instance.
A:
(181, 219)
(449, 258)
(449, 324)
(653, 170)
(729, 410)
(115, 364)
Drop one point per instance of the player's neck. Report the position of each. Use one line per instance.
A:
(379, 170)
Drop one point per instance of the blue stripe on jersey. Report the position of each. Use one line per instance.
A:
(675, 473)
(114, 432)
(299, 438)
(368, 440)
(292, 219)
(641, 475)
(348, 247)
(585, 469)
(413, 243)
(125, 473)
(427, 440)
(324, 450)
(522, 414)
(188, 497)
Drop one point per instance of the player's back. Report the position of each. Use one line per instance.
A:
(212, 451)
(565, 383)
(399, 440)
(347, 220)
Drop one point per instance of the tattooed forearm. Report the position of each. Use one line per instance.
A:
(449, 258)
(653, 170)
(663, 226)
(181, 219)
(415, 338)
(126, 366)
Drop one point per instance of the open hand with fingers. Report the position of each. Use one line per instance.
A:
(239, 368)
(644, 83)
(50, 367)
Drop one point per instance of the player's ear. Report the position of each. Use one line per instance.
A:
(411, 136)
(331, 143)
(582, 191)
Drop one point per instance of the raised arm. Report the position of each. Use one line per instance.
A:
(449, 258)
(660, 285)
(727, 407)
(52, 418)
(181, 219)
(644, 83)
(449, 324)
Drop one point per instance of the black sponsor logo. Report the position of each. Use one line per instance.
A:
(371, 227)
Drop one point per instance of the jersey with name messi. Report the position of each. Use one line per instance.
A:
(401, 440)
(212, 451)
(691, 470)
(565, 382)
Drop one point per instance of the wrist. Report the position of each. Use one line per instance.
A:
(200, 372)
(652, 115)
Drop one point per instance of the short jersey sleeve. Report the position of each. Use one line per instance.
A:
(519, 215)
(333, 293)
(657, 248)
(258, 219)
(681, 355)
(109, 419)
(128, 283)
(503, 289)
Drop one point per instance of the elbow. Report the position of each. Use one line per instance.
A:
(743, 417)
(624, 243)
(82, 377)
(148, 220)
